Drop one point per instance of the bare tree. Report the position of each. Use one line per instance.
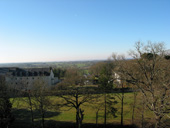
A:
(39, 94)
(29, 99)
(150, 72)
(29, 95)
(134, 103)
(75, 95)
(22, 88)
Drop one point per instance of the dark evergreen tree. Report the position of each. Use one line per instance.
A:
(106, 85)
(167, 57)
(6, 117)
(59, 72)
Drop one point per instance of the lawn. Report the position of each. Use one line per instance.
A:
(22, 113)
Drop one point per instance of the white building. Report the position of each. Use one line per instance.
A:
(116, 78)
(24, 78)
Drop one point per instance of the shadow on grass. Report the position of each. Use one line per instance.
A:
(23, 120)
(24, 114)
(23, 117)
(62, 124)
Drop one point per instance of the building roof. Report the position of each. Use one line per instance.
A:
(14, 71)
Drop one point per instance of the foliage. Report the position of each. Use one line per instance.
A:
(106, 77)
(6, 117)
(59, 72)
(148, 56)
(106, 84)
(167, 57)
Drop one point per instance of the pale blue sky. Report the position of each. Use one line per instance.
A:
(64, 30)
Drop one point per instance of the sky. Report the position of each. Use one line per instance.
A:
(71, 30)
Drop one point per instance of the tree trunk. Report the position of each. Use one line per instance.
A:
(134, 106)
(77, 117)
(42, 113)
(158, 122)
(77, 112)
(105, 110)
(81, 118)
(122, 101)
(143, 113)
(97, 118)
(142, 120)
(32, 115)
(42, 120)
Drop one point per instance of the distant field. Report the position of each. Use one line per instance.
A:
(64, 115)
(79, 64)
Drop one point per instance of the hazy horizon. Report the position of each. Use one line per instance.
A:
(54, 61)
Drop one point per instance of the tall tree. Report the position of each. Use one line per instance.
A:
(106, 85)
(40, 96)
(23, 89)
(121, 97)
(75, 95)
(134, 104)
(6, 117)
(59, 72)
(95, 71)
(150, 72)
(29, 96)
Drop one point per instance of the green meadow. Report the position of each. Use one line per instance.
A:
(64, 114)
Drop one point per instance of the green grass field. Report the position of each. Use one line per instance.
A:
(22, 113)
